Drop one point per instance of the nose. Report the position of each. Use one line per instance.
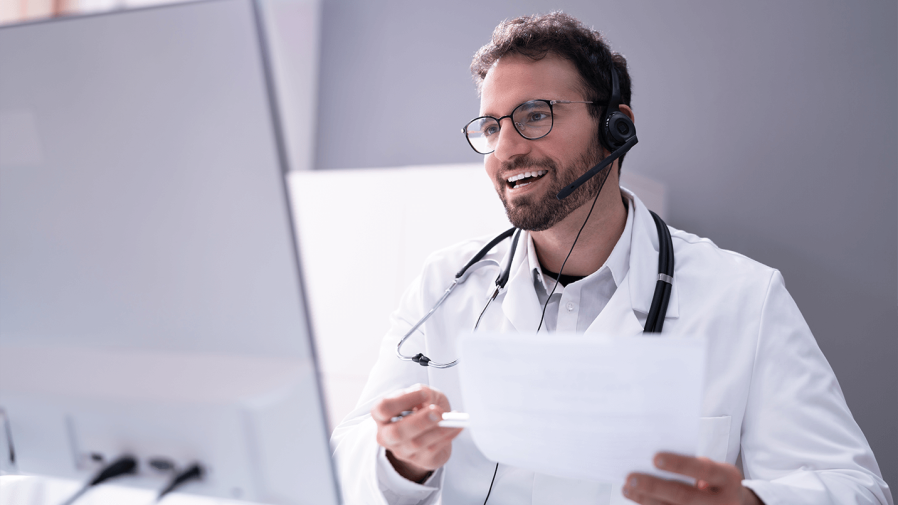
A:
(510, 143)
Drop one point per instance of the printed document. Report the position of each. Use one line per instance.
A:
(582, 406)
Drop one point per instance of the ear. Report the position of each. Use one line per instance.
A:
(628, 112)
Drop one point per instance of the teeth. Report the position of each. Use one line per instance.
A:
(524, 175)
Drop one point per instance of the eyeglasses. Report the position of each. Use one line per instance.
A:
(532, 120)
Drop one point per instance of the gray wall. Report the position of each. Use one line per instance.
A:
(774, 125)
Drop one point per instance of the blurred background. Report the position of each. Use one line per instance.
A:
(772, 127)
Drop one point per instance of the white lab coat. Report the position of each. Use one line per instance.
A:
(770, 394)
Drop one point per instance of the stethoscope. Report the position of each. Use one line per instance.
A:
(653, 323)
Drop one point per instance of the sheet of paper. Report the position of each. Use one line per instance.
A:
(580, 406)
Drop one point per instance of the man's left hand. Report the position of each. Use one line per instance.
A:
(716, 484)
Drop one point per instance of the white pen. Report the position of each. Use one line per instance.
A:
(454, 420)
(450, 419)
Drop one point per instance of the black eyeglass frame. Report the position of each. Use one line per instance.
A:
(550, 103)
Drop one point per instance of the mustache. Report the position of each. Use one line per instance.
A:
(528, 162)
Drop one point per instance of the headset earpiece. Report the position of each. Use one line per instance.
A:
(616, 128)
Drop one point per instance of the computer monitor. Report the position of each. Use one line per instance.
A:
(151, 300)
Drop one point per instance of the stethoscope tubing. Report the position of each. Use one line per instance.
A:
(654, 321)
(460, 278)
(418, 325)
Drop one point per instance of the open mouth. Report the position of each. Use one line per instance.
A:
(525, 178)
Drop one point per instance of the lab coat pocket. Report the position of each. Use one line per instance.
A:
(714, 437)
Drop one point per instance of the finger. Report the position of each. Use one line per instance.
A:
(427, 445)
(715, 474)
(404, 431)
(423, 421)
(431, 439)
(650, 488)
(402, 400)
(436, 454)
(435, 396)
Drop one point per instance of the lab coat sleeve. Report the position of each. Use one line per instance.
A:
(400, 491)
(800, 444)
(354, 439)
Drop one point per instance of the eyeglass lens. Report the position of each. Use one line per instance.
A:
(533, 120)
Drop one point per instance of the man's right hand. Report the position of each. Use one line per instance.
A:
(415, 444)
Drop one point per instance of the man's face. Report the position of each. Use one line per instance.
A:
(569, 150)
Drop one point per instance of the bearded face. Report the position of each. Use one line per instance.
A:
(541, 210)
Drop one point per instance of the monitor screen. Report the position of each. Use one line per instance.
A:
(151, 299)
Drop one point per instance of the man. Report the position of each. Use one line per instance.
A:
(770, 396)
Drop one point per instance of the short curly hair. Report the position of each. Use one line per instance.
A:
(563, 35)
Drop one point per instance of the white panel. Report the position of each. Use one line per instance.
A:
(364, 236)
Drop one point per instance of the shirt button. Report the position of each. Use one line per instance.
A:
(570, 306)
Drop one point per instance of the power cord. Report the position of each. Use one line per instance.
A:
(193, 472)
(124, 465)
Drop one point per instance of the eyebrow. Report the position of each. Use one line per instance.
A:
(512, 109)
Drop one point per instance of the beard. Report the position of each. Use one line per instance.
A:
(540, 212)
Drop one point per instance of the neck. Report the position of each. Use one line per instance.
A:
(599, 236)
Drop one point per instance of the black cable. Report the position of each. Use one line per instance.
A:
(124, 465)
(491, 484)
(194, 472)
(561, 270)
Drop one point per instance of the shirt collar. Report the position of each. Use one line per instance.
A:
(618, 261)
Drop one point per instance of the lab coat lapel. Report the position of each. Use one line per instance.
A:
(628, 308)
(521, 305)
(617, 318)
